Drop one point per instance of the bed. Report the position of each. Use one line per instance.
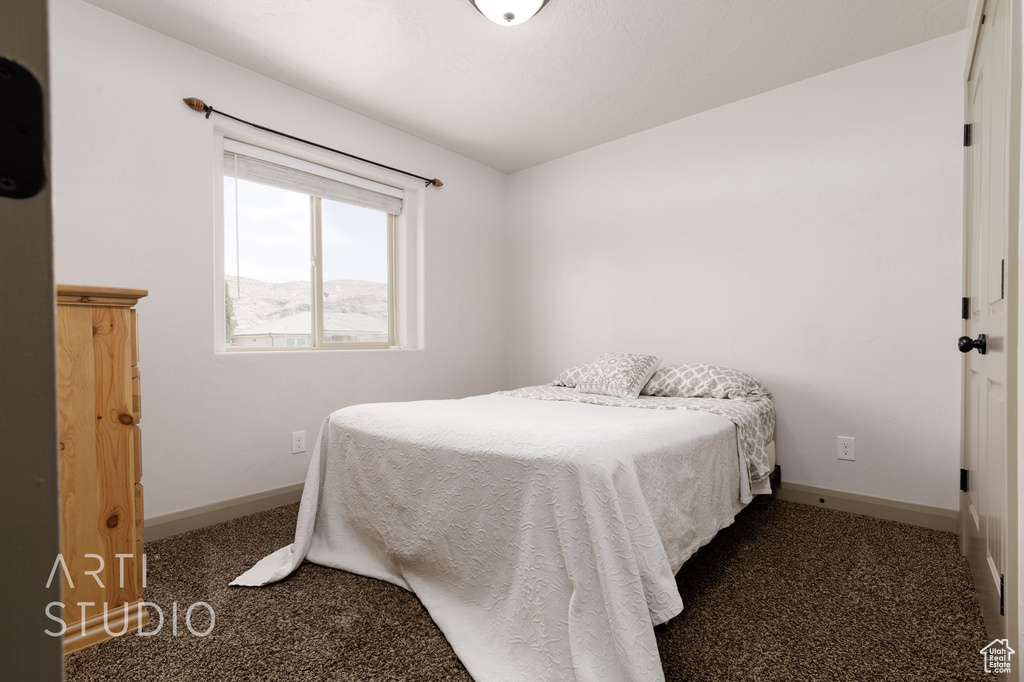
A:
(541, 528)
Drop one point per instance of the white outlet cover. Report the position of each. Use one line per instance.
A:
(298, 442)
(845, 446)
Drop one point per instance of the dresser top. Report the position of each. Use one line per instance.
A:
(72, 294)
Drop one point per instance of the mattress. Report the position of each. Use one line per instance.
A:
(542, 536)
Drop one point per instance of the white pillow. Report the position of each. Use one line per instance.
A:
(571, 376)
(619, 374)
(698, 380)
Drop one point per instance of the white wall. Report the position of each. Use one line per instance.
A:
(134, 208)
(810, 236)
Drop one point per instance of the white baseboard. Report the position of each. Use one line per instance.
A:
(938, 518)
(162, 526)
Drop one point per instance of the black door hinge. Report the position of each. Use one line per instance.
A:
(982, 19)
(963, 480)
(967, 134)
(1002, 279)
(1002, 595)
(965, 308)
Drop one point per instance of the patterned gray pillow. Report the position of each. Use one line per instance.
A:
(698, 380)
(618, 374)
(571, 376)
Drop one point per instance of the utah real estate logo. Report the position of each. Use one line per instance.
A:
(997, 656)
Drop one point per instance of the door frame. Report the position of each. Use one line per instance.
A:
(1013, 473)
(29, 499)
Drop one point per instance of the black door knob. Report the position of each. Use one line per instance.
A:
(967, 344)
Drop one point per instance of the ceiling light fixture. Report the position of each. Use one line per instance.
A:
(508, 12)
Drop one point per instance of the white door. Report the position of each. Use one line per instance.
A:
(989, 393)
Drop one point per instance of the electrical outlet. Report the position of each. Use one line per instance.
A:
(298, 442)
(846, 449)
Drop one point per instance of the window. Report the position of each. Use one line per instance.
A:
(309, 254)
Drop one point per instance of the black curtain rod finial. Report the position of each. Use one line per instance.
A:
(199, 105)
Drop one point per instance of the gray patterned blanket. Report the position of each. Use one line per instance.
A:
(754, 419)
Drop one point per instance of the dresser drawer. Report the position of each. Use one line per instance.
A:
(136, 395)
(137, 451)
(139, 568)
(133, 324)
(140, 523)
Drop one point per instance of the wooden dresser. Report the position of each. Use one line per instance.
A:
(100, 408)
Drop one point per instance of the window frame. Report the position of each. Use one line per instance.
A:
(405, 239)
(316, 242)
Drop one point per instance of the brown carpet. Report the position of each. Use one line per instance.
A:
(790, 593)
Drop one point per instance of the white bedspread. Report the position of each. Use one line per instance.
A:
(542, 536)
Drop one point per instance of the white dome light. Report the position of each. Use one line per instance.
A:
(508, 12)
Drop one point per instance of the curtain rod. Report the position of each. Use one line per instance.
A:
(202, 107)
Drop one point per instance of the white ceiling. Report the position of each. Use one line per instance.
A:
(580, 73)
